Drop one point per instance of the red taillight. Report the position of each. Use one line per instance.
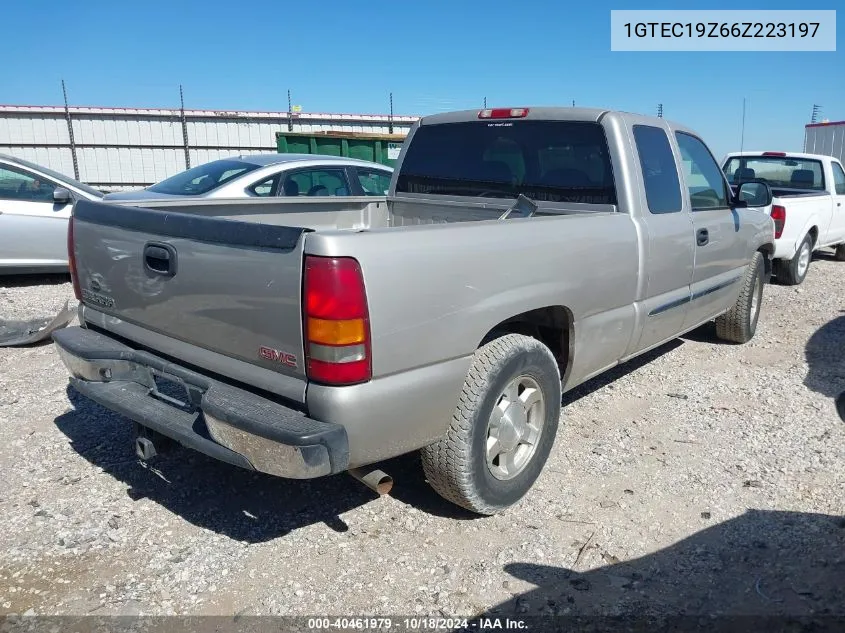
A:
(779, 216)
(774, 153)
(337, 322)
(503, 113)
(71, 260)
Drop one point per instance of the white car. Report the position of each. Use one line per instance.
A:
(808, 206)
(266, 175)
(35, 204)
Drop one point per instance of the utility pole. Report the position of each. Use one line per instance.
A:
(290, 114)
(390, 120)
(485, 103)
(70, 134)
(816, 111)
(742, 135)
(660, 110)
(184, 128)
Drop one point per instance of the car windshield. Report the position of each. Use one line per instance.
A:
(776, 171)
(554, 161)
(203, 178)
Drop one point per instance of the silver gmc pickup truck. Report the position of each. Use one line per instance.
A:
(518, 253)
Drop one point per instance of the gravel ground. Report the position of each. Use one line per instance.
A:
(704, 478)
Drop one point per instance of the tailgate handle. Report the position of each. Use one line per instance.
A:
(160, 258)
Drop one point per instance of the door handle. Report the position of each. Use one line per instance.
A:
(160, 259)
(702, 237)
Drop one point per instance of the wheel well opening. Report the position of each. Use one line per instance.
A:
(552, 326)
(814, 233)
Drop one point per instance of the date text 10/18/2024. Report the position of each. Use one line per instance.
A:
(417, 624)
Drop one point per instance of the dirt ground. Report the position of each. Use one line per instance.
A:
(704, 478)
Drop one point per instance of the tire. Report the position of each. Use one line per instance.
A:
(457, 467)
(839, 253)
(794, 271)
(739, 324)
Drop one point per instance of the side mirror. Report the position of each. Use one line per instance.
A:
(754, 194)
(61, 195)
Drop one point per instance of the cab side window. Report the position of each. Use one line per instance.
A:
(838, 179)
(660, 176)
(705, 181)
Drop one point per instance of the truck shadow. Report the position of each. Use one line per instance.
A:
(240, 504)
(254, 507)
(762, 563)
(825, 356)
(824, 256)
(44, 279)
(611, 375)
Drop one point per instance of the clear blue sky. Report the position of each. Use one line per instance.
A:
(433, 55)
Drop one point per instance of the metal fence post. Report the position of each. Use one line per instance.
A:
(70, 134)
(184, 128)
(290, 114)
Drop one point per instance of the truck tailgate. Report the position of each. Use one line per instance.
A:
(221, 285)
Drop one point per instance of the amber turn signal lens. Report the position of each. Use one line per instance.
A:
(343, 332)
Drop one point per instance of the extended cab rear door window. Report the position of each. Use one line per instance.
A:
(660, 176)
(554, 161)
(705, 182)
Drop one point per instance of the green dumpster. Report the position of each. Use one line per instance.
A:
(376, 148)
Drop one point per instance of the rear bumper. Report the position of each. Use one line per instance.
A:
(222, 421)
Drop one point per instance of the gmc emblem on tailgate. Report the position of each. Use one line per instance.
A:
(277, 356)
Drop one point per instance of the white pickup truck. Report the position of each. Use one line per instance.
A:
(808, 206)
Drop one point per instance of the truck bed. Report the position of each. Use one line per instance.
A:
(354, 213)
(799, 193)
(232, 285)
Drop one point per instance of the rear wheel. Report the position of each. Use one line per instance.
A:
(839, 254)
(739, 324)
(503, 428)
(794, 271)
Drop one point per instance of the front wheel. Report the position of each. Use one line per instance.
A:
(739, 324)
(503, 428)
